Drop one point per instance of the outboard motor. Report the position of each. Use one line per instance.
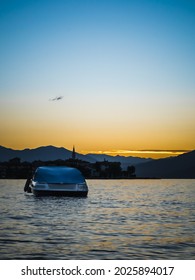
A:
(27, 186)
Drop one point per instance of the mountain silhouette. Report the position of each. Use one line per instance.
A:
(47, 153)
(125, 161)
(182, 166)
(44, 153)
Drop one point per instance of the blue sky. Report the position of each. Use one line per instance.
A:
(121, 67)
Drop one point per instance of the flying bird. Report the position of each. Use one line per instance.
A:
(57, 98)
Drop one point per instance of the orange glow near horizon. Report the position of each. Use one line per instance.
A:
(155, 154)
(142, 154)
(108, 85)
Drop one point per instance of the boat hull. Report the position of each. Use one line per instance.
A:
(60, 181)
(60, 193)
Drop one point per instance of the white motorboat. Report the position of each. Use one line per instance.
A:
(66, 181)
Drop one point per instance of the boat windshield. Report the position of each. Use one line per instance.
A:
(53, 175)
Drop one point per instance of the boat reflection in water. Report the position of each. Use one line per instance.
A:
(63, 181)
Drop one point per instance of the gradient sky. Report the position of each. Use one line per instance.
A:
(125, 70)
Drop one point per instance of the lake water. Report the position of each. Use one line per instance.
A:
(120, 219)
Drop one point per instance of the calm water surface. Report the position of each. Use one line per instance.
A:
(120, 219)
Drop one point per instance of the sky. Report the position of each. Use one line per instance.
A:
(108, 76)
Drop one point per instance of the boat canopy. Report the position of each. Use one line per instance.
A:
(67, 175)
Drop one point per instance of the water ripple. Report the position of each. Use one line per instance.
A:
(120, 219)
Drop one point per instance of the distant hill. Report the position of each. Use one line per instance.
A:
(53, 153)
(125, 161)
(182, 166)
(42, 153)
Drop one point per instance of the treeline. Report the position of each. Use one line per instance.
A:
(15, 169)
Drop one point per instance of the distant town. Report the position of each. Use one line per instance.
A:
(17, 169)
(20, 164)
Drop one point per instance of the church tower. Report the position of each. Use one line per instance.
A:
(73, 153)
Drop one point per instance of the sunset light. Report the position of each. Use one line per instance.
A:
(110, 76)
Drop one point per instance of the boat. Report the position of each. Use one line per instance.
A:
(58, 180)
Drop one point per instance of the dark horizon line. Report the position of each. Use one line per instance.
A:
(142, 150)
